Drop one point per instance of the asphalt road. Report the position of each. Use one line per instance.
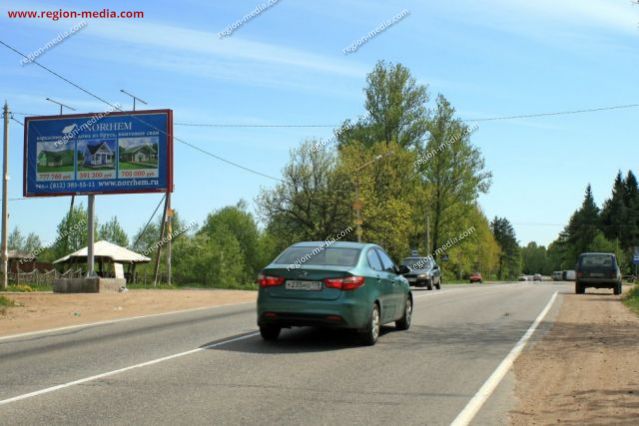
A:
(222, 373)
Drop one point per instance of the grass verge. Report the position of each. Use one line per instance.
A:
(631, 299)
(161, 286)
(4, 304)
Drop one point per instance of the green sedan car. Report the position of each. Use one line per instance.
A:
(342, 285)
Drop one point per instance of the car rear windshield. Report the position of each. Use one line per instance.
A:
(417, 262)
(596, 261)
(319, 255)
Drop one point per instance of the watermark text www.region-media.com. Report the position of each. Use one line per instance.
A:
(58, 14)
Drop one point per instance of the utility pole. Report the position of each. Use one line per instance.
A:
(5, 200)
(162, 233)
(428, 252)
(357, 205)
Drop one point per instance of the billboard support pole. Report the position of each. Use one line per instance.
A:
(5, 201)
(90, 238)
(162, 231)
(169, 248)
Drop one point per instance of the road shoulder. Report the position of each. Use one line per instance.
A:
(584, 370)
(44, 311)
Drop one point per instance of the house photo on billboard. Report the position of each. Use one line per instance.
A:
(138, 153)
(52, 158)
(96, 154)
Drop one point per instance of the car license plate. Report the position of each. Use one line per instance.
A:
(597, 274)
(304, 285)
(412, 280)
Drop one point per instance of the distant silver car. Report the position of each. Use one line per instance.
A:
(424, 272)
(537, 277)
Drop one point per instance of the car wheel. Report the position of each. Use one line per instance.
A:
(270, 332)
(404, 322)
(617, 289)
(579, 289)
(429, 285)
(371, 334)
(438, 286)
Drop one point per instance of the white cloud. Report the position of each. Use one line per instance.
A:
(525, 15)
(180, 39)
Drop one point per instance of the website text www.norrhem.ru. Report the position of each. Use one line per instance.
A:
(58, 14)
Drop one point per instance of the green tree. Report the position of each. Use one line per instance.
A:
(510, 257)
(630, 235)
(386, 193)
(241, 224)
(534, 259)
(210, 260)
(583, 226)
(309, 202)
(15, 240)
(71, 232)
(456, 173)
(614, 212)
(396, 110)
(112, 232)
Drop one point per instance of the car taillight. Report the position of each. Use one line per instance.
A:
(580, 274)
(345, 283)
(269, 281)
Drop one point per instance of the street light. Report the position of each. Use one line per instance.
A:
(357, 205)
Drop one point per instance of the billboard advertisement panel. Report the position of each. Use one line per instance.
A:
(104, 153)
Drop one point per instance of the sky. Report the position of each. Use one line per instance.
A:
(286, 65)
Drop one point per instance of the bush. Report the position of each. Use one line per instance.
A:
(22, 288)
(631, 299)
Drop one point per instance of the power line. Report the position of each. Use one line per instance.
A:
(115, 107)
(233, 125)
(549, 114)
(476, 120)
(17, 121)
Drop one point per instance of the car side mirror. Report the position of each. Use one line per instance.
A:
(401, 270)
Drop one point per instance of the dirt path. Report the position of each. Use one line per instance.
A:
(39, 311)
(585, 370)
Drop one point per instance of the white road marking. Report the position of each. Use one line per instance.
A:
(114, 321)
(122, 370)
(474, 405)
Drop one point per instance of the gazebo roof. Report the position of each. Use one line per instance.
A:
(107, 250)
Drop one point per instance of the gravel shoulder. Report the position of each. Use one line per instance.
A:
(585, 370)
(41, 311)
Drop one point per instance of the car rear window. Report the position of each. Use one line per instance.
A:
(319, 255)
(596, 261)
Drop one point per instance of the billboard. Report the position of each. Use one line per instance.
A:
(104, 153)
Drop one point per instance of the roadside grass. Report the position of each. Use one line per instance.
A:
(4, 304)
(190, 286)
(28, 288)
(631, 299)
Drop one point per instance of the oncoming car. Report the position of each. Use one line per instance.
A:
(424, 272)
(345, 285)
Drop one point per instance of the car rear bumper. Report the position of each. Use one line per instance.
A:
(598, 282)
(326, 313)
